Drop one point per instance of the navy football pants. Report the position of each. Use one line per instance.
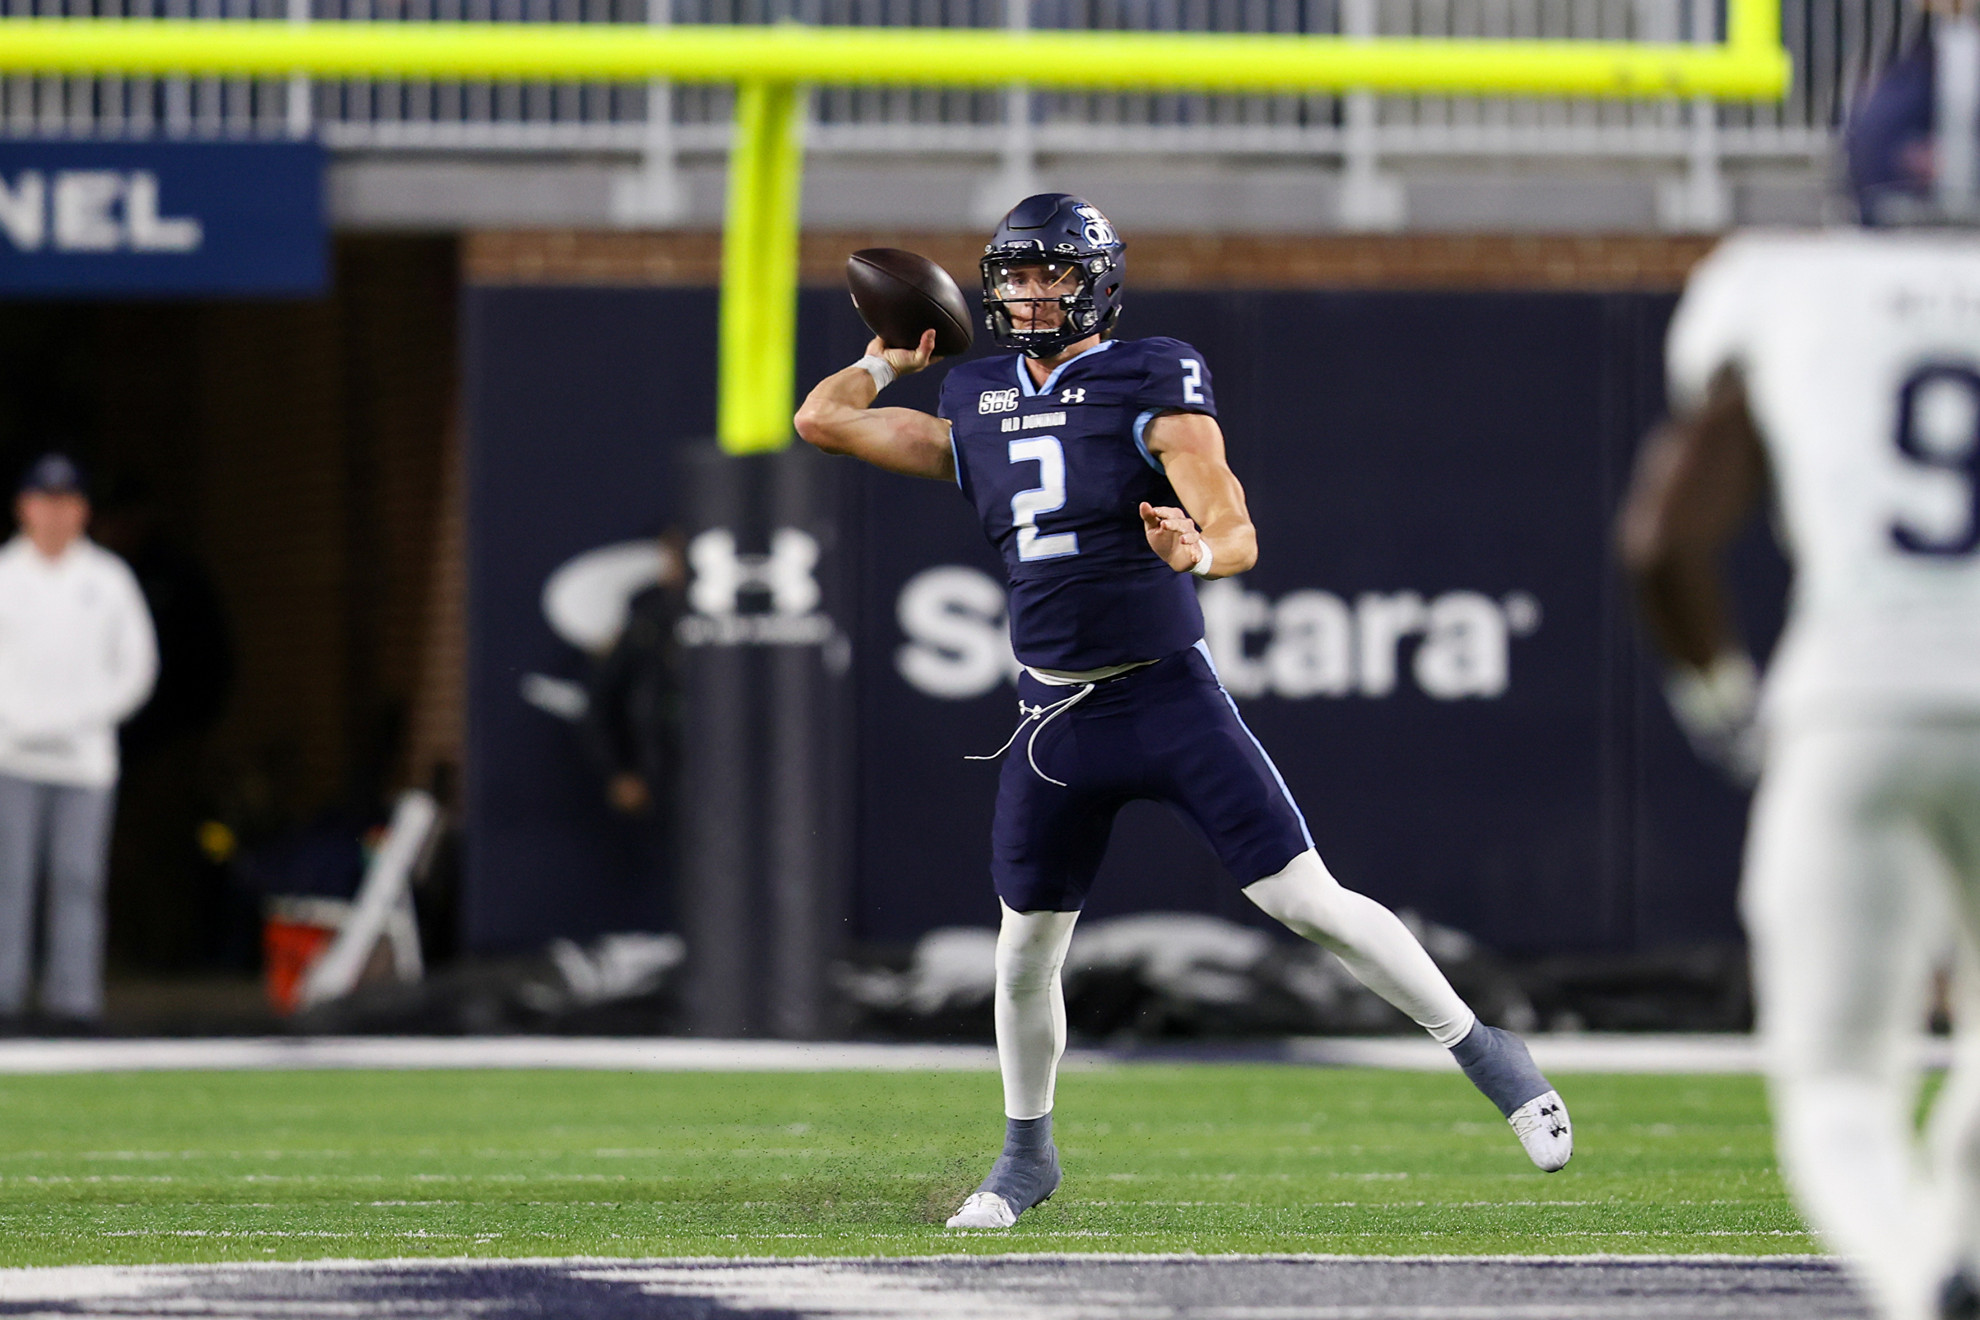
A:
(1167, 733)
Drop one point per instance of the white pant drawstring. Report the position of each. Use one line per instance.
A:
(1044, 714)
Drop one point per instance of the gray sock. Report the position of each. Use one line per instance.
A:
(1027, 1173)
(1497, 1063)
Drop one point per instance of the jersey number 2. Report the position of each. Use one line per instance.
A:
(1947, 441)
(1049, 496)
(1192, 380)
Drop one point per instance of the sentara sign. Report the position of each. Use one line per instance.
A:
(1306, 644)
(137, 219)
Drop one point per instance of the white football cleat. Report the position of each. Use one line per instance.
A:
(984, 1210)
(1543, 1128)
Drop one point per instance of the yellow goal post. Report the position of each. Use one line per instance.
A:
(771, 65)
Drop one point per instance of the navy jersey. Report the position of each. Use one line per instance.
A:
(1058, 473)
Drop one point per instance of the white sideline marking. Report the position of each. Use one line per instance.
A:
(419, 1052)
(1564, 1054)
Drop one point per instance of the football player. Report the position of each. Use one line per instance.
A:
(1097, 468)
(1839, 372)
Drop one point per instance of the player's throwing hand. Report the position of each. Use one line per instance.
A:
(1172, 534)
(905, 361)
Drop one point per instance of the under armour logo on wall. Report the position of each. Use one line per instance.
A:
(721, 575)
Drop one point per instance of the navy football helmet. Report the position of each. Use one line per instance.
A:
(1913, 141)
(1051, 251)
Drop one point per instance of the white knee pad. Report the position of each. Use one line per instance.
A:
(1031, 948)
(1368, 938)
(1306, 897)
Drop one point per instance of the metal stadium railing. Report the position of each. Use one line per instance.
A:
(1832, 43)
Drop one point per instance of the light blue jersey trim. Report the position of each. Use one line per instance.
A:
(1024, 372)
(955, 456)
(1203, 649)
(1141, 444)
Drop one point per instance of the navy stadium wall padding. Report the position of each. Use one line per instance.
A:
(1436, 647)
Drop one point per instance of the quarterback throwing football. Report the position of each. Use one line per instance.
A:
(1097, 468)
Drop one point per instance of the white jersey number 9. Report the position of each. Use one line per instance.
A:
(1938, 428)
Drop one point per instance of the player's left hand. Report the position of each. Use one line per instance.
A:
(1172, 534)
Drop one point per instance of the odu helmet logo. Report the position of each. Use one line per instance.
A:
(1098, 230)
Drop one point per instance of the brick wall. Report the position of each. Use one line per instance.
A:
(304, 453)
(324, 438)
(1403, 261)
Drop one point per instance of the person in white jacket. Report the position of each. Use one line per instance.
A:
(77, 658)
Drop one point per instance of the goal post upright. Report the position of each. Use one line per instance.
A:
(757, 336)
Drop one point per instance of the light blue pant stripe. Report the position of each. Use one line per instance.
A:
(1203, 649)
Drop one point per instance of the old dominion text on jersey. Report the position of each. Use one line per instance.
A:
(1058, 473)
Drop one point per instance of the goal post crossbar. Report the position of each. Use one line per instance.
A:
(770, 65)
(1748, 65)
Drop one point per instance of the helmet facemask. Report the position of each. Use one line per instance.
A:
(1039, 303)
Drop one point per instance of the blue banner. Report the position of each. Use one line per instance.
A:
(1437, 649)
(162, 219)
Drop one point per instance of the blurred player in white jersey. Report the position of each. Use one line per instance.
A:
(1841, 371)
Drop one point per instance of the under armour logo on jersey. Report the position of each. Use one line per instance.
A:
(721, 575)
(996, 401)
(1072, 396)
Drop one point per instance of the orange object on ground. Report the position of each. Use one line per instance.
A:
(294, 934)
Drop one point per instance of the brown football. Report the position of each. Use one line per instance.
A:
(899, 294)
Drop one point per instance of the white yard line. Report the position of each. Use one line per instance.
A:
(1562, 1054)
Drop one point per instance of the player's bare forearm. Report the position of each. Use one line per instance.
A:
(1683, 603)
(1695, 485)
(1190, 447)
(838, 417)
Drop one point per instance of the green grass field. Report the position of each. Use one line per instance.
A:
(1208, 1158)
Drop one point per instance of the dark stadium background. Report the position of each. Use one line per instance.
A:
(340, 468)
